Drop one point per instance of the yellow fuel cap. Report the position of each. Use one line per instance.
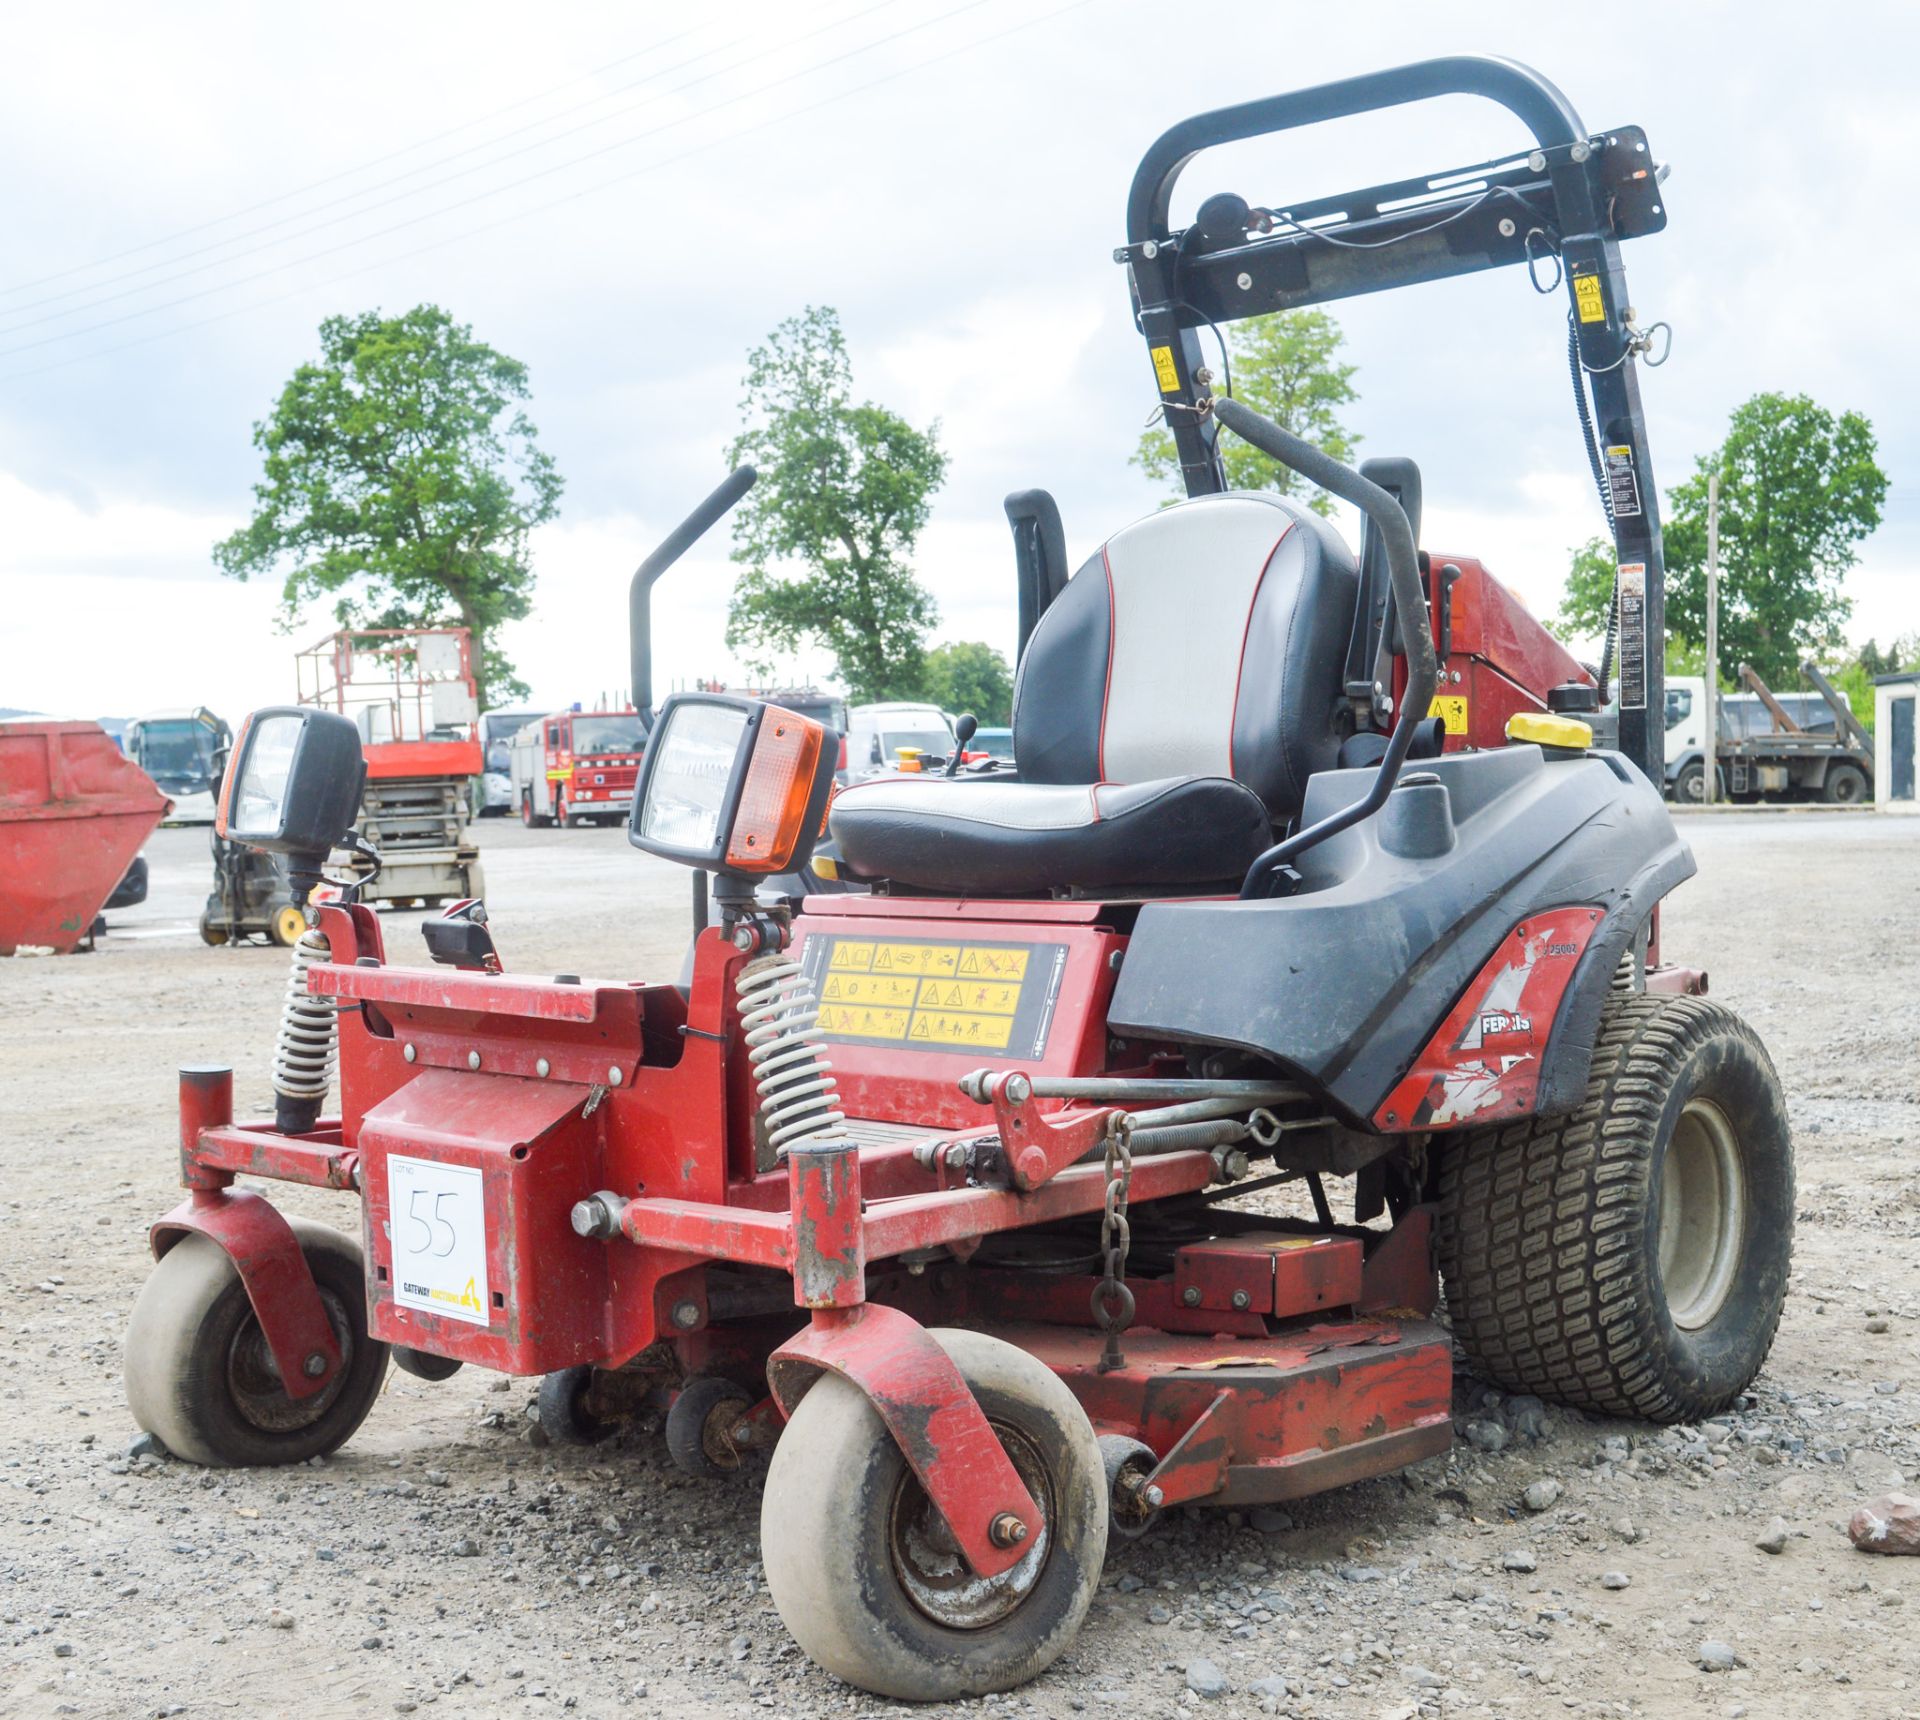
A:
(1545, 729)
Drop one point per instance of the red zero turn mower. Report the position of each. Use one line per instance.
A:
(937, 1190)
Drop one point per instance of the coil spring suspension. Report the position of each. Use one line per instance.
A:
(778, 1014)
(303, 1055)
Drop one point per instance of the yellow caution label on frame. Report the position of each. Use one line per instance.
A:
(1451, 709)
(1588, 300)
(1166, 370)
(918, 994)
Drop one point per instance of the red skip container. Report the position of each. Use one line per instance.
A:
(73, 814)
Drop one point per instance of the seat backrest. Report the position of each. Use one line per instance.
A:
(1207, 639)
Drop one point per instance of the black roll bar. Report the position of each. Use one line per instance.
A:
(640, 593)
(1519, 89)
(1567, 202)
(1403, 566)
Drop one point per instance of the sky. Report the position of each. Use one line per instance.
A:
(628, 197)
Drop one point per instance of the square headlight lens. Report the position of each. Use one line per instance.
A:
(692, 764)
(259, 797)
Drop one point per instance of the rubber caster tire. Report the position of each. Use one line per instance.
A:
(199, 1376)
(287, 926)
(424, 1366)
(1632, 1257)
(858, 1562)
(700, 1425)
(1124, 1460)
(211, 935)
(563, 1410)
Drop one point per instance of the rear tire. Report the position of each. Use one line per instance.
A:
(287, 926)
(1846, 785)
(1631, 1257)
(857, 1560)
(199, 1376)
(210, 934)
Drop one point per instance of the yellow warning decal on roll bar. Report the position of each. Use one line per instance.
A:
(1587, 298)
(1165, 369)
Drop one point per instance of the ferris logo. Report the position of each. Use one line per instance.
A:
(1498, 1021)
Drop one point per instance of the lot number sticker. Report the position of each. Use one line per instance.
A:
(438, 1225)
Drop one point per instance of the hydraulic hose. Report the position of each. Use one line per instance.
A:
(1416, 632)
(1592, 443)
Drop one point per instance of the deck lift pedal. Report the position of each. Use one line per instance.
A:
(940, 1191)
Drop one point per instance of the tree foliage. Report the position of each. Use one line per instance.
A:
(970, 676)
(1287, 367)
(1589, 593)
(826, 535)
(1799, 489)
(401, 474)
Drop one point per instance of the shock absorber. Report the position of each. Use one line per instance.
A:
(779, 1017)
(303, 1055)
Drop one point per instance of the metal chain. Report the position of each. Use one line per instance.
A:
(1112, 1300)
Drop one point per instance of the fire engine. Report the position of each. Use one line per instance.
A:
(578, 767)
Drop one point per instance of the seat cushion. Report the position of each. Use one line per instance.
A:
(1207, 639)
(982, 837)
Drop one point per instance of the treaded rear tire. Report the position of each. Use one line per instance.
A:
(1549, 1233)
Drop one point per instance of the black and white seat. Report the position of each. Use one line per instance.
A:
(1171, 705)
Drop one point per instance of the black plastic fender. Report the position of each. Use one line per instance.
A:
(1344, 981)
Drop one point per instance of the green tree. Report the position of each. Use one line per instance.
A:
(1287, 367)
(1799, 489)
(970, 676)
(401, 474)
(827, 533)
(1589, 593)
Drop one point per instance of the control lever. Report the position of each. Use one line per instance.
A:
(965, 727)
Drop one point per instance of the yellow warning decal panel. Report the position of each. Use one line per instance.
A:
(1587, 298)
(1165, 371)
(935, 994)
(1451, 709)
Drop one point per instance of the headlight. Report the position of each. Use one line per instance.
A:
(731, 785)
(692, 766)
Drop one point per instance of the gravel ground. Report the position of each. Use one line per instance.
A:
(1551, 1563)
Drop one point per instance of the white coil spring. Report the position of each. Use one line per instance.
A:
(304, 1053)
(779, 1015)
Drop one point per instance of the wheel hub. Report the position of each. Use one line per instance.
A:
(930, 1568)
(253, 1377)
(1703, 1215)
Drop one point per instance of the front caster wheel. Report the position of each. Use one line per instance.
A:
(861, 1566)
(199, 1375)
(423, 1365)
(700, 1425)
(1632, 1257)
(567, 1411)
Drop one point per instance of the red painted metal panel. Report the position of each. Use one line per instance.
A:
(266, 1254)
(1500, 660)
(1275, 1273)
(1483, 1061)
(536, 1156)
(1312, 1407)
(73, 814)
(934, 1418)
(1400, 1276)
